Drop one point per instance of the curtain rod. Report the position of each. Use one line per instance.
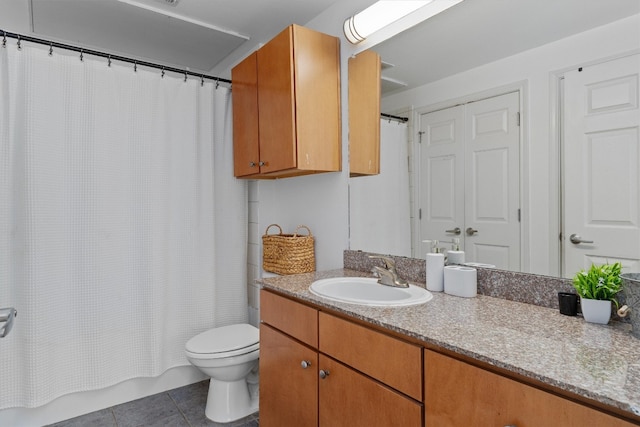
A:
(392, 117)
(109, 56)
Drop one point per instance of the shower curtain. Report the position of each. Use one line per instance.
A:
(379, 204)
(122, 229)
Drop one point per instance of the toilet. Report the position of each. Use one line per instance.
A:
(229, 355)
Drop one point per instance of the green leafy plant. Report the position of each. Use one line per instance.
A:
(601, 282)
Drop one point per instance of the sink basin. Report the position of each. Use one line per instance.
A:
(367, 291)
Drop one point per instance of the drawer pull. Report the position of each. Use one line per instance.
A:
(305, 364)
(323, 374)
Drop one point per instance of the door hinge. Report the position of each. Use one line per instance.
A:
(420, 213)
(420, 133)
(519, 215)
(518, 118)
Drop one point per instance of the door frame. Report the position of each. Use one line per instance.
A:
(556, 158)
(522, 87)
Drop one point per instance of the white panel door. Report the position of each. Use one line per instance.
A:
(601, 211)
(470, 179)
(441, 197)
(492, 164)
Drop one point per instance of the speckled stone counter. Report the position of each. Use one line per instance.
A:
(599, 363)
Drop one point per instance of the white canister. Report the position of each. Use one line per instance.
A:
(460, 281)
(435, 272)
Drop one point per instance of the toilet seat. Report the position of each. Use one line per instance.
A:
(226, 341)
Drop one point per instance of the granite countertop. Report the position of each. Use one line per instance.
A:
(598, 362)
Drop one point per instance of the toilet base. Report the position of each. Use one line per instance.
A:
(229, 401)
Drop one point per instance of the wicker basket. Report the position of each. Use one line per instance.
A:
(288, 253)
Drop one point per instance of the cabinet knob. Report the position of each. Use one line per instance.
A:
(305, 364)
(262, 163)
(323, 374)
(252, 164)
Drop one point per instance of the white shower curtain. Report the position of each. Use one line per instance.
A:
(379, 204)
(122, 229)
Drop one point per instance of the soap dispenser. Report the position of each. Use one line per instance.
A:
(435, 268)
(455, 255)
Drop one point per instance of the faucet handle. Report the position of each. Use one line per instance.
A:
(389, 263)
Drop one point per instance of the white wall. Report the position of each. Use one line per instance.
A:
(536, 68)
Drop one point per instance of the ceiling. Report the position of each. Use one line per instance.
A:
(210, 36)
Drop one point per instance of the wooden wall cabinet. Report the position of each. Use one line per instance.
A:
(364, 114)
(348, 375)
(286, 107)
(460, 394)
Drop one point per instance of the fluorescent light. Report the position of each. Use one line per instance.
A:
(384, 12)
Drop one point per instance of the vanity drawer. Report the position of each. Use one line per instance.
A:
(392, 361)
(292, 318)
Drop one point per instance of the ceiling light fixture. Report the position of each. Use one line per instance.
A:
(384, 12)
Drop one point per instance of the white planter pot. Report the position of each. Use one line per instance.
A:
(596, 311)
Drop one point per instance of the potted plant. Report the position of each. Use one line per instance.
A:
(597, 287)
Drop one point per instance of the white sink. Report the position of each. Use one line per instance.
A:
(367, 291)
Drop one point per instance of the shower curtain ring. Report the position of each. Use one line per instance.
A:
(135, 66)
(50, 49)
(217, 83)
(19, 43)
(162, 75)
(4, 39)
(81, 55)
(201, 80)
(185, 76)
(109, 61)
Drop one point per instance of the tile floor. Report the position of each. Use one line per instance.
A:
(180, 407)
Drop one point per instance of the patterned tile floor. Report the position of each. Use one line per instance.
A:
(180, 407)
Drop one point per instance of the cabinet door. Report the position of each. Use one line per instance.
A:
(350, 399)
(246, 154)
(288, 391)
(459, 394)
(364, 114)
(276, 103)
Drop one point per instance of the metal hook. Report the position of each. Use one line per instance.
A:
(4, 39)
(19, 41)
(50, 49)
(162, 75)
(81, 55)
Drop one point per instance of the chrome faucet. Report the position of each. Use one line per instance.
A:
(388, 275)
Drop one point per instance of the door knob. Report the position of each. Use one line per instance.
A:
(323, 374)
(470, 231)
(6, 317)
(576, 239)
(455, 231)
(305, 364)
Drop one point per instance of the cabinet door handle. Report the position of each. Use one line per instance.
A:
(323, 374)
(305, 364)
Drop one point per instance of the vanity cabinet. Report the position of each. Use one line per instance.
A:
(460, 394)
(347, 375)
(286, 107)
(364, 114)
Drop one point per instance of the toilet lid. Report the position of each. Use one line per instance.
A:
(224, 339)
